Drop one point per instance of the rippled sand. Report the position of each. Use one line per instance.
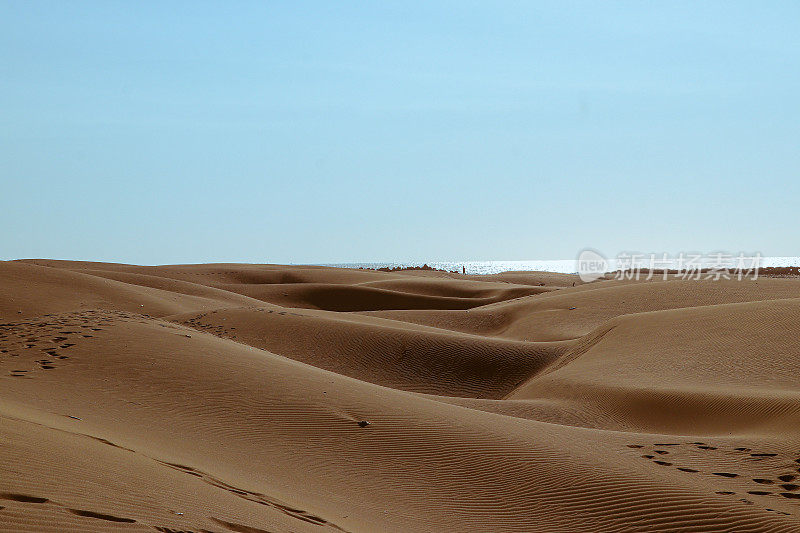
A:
(265, 398)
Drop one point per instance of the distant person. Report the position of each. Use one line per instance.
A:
(464, 270)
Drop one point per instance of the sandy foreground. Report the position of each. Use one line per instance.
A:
(266, 398)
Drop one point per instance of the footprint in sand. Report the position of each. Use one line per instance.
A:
(101, 516)
(24, 498)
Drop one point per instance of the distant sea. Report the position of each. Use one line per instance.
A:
(493, 267)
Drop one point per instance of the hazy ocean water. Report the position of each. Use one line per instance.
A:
(567, 266)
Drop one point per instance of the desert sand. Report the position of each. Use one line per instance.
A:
(268, 398)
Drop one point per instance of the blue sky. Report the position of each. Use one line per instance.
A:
(162, 132)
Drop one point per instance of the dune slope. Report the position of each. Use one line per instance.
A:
(263, 398)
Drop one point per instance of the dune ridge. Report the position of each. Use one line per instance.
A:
(269, 398)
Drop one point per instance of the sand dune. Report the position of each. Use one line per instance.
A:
(265, 398)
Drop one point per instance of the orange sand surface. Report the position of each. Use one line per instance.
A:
(267, 398)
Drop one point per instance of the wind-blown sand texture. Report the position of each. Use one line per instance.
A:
(263, 398)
